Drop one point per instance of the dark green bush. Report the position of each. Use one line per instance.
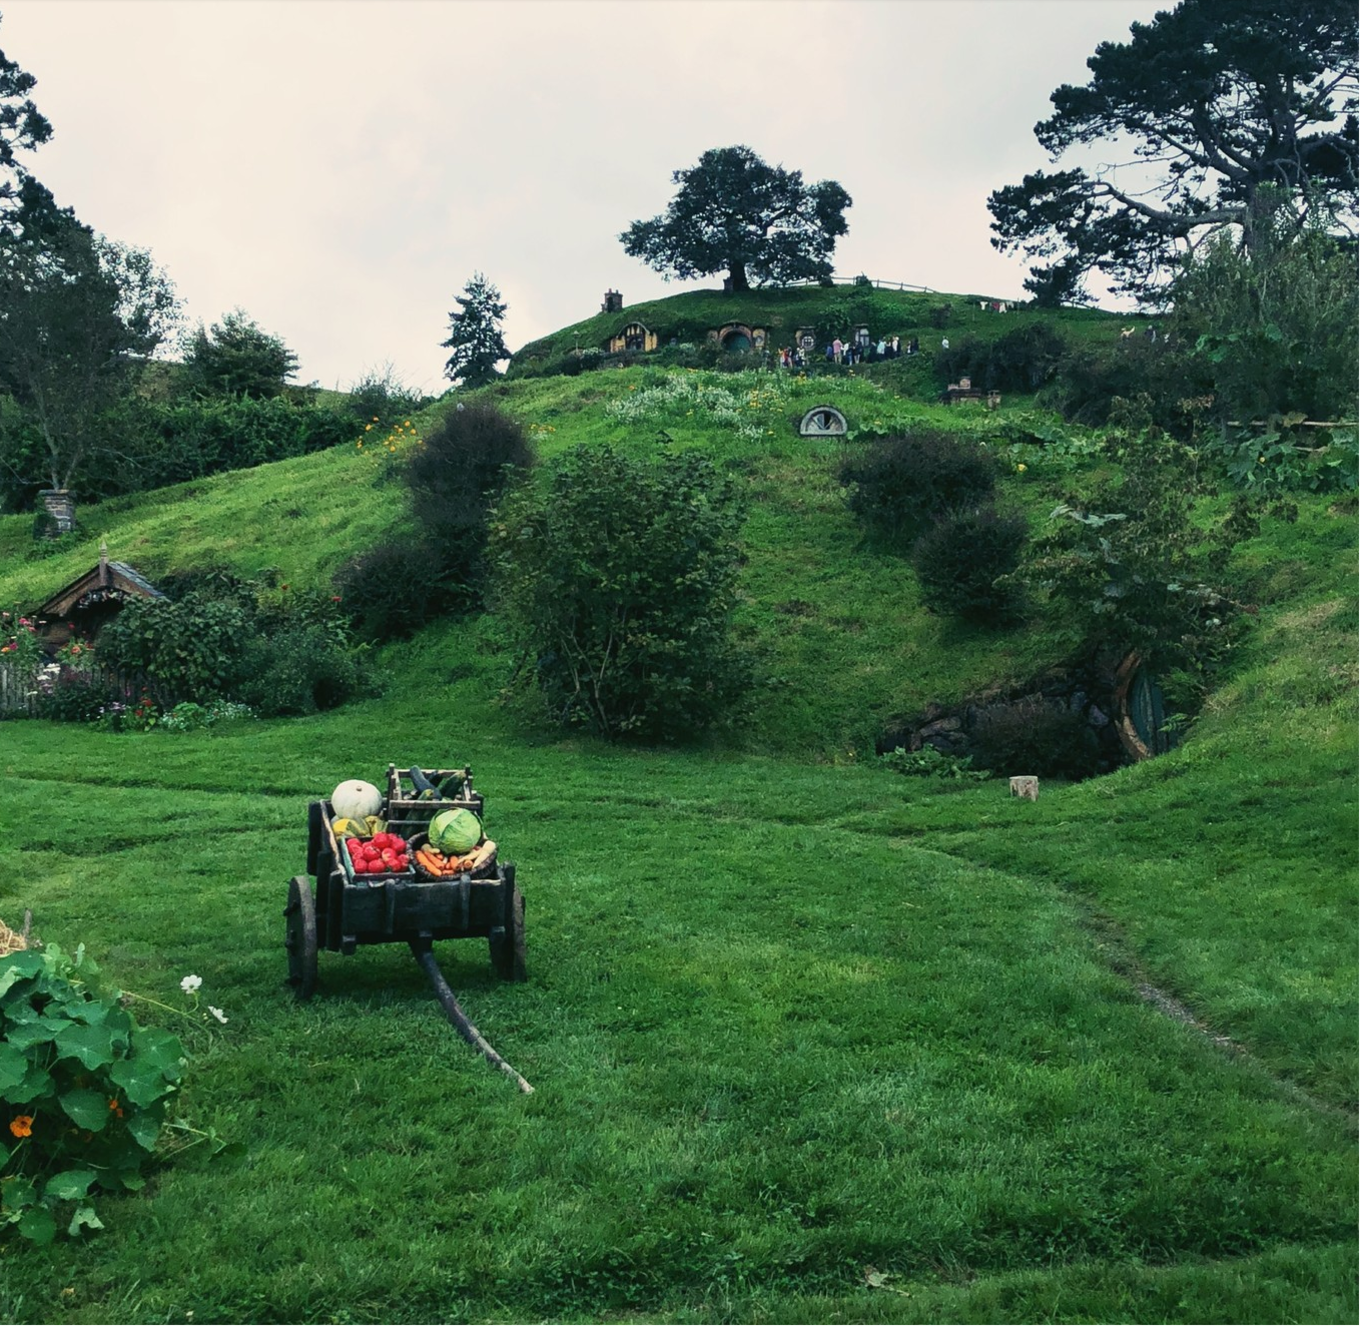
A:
(195, 647)
(1132, 569)
(392, 590)
(380, 397)
(169, 442)
(456, 478)
(300, 671)
(77, 697)
(900, 485)
(961, 559)
(618, 581)
(1035, 736)
(237, 357)
(1022, 360)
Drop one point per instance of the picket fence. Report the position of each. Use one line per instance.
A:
(20, 695)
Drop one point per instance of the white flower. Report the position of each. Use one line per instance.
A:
(190, 984)
(217, 1013)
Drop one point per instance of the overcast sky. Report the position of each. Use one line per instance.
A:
(339, 170)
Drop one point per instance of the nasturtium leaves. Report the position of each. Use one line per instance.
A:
(13, 1067)
(92, 1046)
(89, 1109)
(69, 1184)
(37, 1224)
(83, 1216)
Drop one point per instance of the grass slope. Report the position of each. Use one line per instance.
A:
(811, 1042)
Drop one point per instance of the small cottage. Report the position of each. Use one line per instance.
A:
(82, 608)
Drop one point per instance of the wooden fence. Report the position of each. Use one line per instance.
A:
(21, 691)
(872, 281)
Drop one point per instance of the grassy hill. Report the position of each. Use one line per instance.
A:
(811, 1041)
(832, 311)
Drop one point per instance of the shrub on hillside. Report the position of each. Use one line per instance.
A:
(1035, 736)
(1132, 569)
(902, 484)
(456, 477)
(618, 581)
(961, 562)
(380, 397)
(1022, 360)
(299, 671)
(390, 591)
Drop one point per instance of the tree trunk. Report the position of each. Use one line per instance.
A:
(738, 278)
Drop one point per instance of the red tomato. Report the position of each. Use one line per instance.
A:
(353, 845)
(381, 841)
(371, 854)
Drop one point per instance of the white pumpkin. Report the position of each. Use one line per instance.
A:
(354, 800)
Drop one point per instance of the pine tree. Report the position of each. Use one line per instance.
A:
(475, 334)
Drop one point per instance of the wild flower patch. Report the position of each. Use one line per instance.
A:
(740, 402)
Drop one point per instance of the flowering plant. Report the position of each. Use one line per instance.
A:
(19, 643)
(118, 717)
(83, 1091)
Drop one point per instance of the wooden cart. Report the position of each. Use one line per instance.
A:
(339, 911)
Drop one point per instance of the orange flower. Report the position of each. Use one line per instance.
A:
(21, 1126)
(115, 1107)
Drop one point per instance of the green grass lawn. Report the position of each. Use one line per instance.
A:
(810, 1041)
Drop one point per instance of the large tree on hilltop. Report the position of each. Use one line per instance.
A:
(1237, 113)
(735, 214)
(475, 338)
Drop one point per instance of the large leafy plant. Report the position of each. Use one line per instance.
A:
(83, 1091)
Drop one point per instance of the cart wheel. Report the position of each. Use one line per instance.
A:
(300, 939)
(507, 949)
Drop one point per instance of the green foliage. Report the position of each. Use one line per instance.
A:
(618, 583)
(931, 763)
(456, 476)
(190, 717)
(128, 716)
(237, 357)
(81, 315)
(901, 484)
(1132, 569)
(389, 591)
(1271, 333)
(1281, 457)
(961, 562)
(475, 337)
(1035, 736)
(380, 397)
(733, 213)
(1022, 360)
(299, 670)
(195, 646)
(84, 1090)
(1246, 110)
(76, 696)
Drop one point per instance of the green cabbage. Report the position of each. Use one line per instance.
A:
(455, 832)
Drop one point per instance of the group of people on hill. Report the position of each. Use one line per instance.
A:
(852, 352)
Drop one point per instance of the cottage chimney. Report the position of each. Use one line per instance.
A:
(104, 563)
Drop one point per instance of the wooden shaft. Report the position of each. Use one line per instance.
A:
(424, 955)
